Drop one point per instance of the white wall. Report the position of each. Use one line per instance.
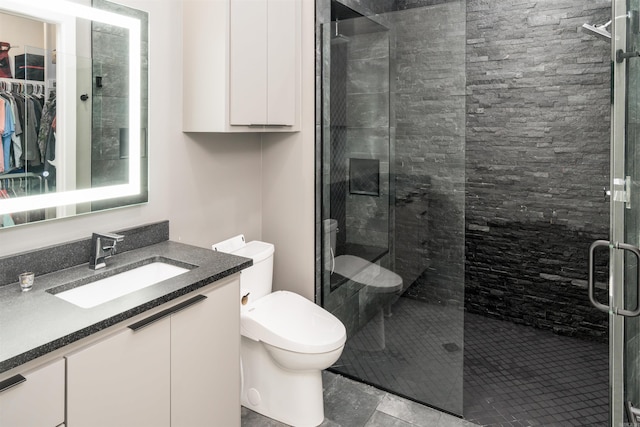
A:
(211, 186)
(220, 193)
(288, 183)
(191, 179)
(22, 34)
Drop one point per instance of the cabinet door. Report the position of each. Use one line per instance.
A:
(38, 401)
(248, 62)
(122, 380)
(205, 361)
(283, 37)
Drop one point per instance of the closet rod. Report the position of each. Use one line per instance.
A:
(23, 81)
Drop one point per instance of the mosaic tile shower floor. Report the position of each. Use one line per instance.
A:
(513, 375)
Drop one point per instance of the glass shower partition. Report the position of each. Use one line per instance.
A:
(393, 180)
(626, 348)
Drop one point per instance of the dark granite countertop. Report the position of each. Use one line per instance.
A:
(37, 322)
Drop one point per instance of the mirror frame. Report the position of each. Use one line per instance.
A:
(64, 14)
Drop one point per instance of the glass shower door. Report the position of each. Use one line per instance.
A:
(624, 332)
(393, 179)
(631, 339)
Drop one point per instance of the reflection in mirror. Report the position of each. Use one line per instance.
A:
(27, 112)
(71, 153)
(110, 131)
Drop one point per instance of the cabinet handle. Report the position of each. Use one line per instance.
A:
(11, 382)
(164, 313)
(265, 125)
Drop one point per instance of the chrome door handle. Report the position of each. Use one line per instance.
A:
(591, 286)
(621, 55)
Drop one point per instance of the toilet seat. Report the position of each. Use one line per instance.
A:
(289, 321)
(378, 278)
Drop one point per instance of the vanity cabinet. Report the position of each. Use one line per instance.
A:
(178, 367)
(205, 361)
(122, 380)
(36, 399)
(241, 65)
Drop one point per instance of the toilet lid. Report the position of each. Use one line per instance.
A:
(291, 322)
(378, 278)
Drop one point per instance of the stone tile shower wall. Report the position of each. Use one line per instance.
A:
(359, 129)
(338, 140)
(358, 81)
(429, 149)
(531, 147)
(537, 159)
(367, 135)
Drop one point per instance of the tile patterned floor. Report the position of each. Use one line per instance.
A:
(349, 403)
(419, 357)
(513, 375)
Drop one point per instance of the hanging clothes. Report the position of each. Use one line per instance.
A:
(21, 115)
(31, 144)
(29, 139)
(27, 136)
(3, 166)
(50, 155)
(46, 129)
(7, 219)
(16, 147)
(9, 129)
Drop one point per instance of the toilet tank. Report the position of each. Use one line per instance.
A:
(256, 280)
(330, 231)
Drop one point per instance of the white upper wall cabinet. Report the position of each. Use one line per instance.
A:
(241, 62)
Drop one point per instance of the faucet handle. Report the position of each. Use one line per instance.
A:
(100, 251)
(115, 238)
(111, 236)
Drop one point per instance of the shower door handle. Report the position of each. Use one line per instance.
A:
(591, 283)
(621, 55)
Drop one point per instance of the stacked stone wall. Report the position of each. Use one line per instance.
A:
(537, 159)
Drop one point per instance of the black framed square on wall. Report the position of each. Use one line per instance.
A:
(364, 176)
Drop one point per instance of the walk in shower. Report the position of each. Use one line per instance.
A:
(463, 151)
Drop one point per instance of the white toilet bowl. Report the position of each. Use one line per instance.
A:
(286, 342)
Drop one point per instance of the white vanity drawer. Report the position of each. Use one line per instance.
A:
(36, 401)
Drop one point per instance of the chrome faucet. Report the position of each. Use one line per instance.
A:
(100, 252)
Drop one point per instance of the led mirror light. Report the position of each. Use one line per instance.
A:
(64, 14)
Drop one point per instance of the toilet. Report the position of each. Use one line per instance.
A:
(286, 342)
(377, 278)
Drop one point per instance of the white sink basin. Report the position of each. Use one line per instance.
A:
(112, 287)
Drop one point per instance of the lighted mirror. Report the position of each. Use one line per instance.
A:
(73, 87)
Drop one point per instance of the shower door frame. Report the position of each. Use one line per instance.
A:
(618, 379)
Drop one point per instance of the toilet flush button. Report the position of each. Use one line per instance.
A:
(254, 397)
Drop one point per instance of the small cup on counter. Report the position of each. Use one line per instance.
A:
(26, 281)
